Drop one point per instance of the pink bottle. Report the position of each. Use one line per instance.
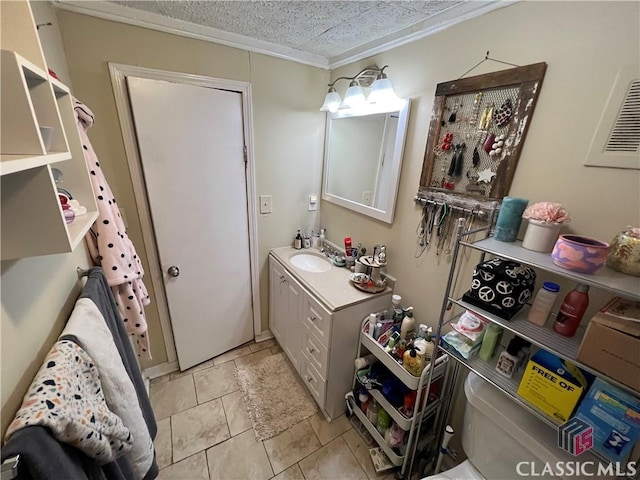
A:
(572, 310)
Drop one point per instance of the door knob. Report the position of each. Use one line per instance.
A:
(173, 271)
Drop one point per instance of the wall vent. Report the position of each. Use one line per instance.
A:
(625, 136)
(616, 143)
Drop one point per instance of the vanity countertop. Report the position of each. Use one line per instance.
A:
(333, 288)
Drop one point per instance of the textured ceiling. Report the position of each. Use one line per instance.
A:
(326, 28)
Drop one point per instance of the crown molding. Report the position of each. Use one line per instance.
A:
(154, 21)
(441, 21)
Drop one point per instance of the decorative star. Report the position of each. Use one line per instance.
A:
(486, 175)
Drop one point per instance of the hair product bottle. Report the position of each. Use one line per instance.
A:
(543, 303)
(572, 311)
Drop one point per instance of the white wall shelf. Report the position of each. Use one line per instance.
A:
(31, 215)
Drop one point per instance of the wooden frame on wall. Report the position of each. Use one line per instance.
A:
(471, 110)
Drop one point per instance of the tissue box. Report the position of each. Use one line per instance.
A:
(615, 417)
(548, 384)
(612, 343)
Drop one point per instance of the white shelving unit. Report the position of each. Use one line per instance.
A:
(31, 214)
(430, 410)
(540, 336)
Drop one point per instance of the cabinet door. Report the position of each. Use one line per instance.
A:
(294, 325)
(277, 301)
(285, 311)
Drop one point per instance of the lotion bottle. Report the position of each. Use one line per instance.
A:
(408, 324)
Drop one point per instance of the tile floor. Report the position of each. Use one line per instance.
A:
(204, 431)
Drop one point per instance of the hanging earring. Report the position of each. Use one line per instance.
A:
(475, 158)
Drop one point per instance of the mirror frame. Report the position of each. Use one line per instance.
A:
(396, 166)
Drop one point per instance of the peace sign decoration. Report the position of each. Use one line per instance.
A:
(501, 287)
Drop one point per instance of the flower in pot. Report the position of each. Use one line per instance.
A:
(545, 220)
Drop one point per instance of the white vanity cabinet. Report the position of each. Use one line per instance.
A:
(316, 319)
(285, 304)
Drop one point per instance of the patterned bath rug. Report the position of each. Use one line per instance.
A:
(274, 395)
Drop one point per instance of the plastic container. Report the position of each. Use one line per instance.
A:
(423, 344)
(409, 403)
(371, 327)
(408, 325)
(363, 398)
(364, 362)
(543, 303)
(384, 421)
(413, 362)
(508, 360)
(490, 342)
(572, 311)
(372, 411)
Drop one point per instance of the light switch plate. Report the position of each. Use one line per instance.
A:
(265, 203)
(313, 203)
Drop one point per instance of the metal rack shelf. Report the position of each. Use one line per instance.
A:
(545, 338)
(606, 279)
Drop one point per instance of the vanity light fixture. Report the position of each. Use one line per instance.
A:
(381, 94)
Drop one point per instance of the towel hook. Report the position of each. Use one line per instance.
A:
(82, 272)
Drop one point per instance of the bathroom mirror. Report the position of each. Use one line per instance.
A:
(362, 159)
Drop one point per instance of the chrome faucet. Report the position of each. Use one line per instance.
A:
(327, 250)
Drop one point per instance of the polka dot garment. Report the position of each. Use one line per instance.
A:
(111, 248)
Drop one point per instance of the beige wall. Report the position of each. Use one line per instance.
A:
(576, 86)
(584, 45)
(288, 128)
(37, 293)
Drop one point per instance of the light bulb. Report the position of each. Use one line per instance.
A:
(354, 96)
(382, 92)
(331, 102)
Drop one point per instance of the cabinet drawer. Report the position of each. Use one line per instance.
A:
(315, 353)
(314, 381)
(318, 319)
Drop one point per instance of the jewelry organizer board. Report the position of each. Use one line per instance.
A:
(465, 114)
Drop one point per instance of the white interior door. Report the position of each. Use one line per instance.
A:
(191, 145)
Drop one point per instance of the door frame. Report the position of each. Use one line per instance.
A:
(118, 73)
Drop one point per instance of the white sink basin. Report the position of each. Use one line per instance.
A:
(311, 263)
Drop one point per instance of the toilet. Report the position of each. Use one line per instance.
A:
(498, 434)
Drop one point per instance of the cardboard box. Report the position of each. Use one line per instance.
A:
(548, 384)
(615, 417)
(612, 345)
